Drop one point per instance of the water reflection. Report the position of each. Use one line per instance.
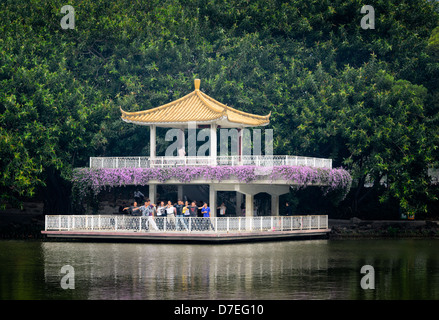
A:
(318, 269)
(159, 271)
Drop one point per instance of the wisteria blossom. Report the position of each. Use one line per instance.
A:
(85, 179)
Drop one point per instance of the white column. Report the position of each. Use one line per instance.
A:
(274, 205)
(249, 205)
(152, 141)
(213, 143)
(212, 200)
(249, 214)
(152, 193)
(240, 142)
(181, 144)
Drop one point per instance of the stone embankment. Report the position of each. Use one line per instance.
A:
(357, 228)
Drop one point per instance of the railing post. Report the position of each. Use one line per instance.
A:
(59, 222)
(140, 223)
(165, 221)
(309, 222)
(261, 223)
(190, 224)
(318, 222)
(227, 224)
(301, 222)
(271, 223)
(216, 224)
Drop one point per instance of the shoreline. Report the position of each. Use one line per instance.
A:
(383, 229)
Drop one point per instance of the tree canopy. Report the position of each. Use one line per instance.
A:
(367, 98)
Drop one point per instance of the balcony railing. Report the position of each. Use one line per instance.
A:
(163, 162)
(125, 223)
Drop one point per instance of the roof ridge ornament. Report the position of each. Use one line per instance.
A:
(197, 84)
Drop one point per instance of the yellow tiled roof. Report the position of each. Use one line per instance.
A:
(195, 107)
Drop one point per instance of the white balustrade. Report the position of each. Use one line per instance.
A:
(123, 223)
(163, 162)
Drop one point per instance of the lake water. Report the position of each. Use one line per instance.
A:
(314, 269)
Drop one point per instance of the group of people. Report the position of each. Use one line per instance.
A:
(176, 214)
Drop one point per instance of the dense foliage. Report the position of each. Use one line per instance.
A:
(368, 99)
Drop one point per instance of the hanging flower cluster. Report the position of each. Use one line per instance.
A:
(85, 179)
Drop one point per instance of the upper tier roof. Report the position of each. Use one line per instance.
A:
(195, 107)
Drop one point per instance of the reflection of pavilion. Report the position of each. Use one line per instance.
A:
(278, 270)
(197, 110)
(151, 271)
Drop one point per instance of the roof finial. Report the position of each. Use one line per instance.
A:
(197, 84)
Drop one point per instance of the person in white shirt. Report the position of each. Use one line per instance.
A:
(170, 214)
(161, 214)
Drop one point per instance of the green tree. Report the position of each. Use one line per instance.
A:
(366, 98)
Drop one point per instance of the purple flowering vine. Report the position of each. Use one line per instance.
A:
(94, 180)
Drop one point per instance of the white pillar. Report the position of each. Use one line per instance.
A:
(240, 144)
(249, 205)
(213, 143)
(274, 205)
(212, 200)
(249, 214)
(152, 192)
(152, 141)
(181, 144)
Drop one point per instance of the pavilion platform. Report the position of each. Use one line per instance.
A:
(196, 230)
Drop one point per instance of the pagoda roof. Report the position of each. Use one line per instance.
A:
(195, 107)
